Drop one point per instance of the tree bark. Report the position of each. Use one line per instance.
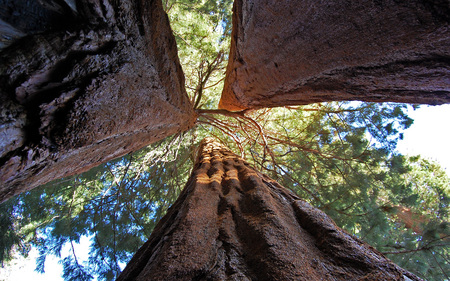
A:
(234, 223)
(301, 52)
(91, 81)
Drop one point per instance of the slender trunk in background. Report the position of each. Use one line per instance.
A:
(233, 223)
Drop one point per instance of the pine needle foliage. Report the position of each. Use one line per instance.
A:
(339, 156)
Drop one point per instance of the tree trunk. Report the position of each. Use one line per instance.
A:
(92, 81)
(234, 223)
(308, 51)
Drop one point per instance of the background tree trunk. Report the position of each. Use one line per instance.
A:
(308, 51)
(92, 81)
(234, 223)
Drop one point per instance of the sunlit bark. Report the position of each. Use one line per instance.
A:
(233, 223)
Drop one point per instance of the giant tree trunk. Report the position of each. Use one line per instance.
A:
(234, 223)
(306, 51)
(88, 84)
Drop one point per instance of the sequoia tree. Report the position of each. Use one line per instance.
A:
(93, 80)
(307, 51)
(89, 82)
(329, 161)
(233, 223)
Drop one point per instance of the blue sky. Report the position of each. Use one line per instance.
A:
(428, 136)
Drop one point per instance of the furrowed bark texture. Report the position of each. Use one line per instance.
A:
(301, 52)
(234, 223)
(86, 85)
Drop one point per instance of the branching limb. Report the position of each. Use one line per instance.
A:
(204, 77)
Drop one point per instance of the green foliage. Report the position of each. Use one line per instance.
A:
(202, 29)
(325, 153)
(9, 237)
(339, 156)
(117, 207)
(72, 271)
(420, 193)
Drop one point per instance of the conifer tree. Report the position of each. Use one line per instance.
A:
(233, 223)
(339, 157)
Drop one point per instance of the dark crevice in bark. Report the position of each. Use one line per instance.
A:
(61, 117)
(440, 9)
(84, 92)
(53, 84)
(431, 61)
(73, 58)
(140, 21)
(234, 223)
(37, 16)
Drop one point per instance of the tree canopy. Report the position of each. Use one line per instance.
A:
(339, 156)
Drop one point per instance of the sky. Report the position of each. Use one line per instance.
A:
(429, 136)
(23, 268)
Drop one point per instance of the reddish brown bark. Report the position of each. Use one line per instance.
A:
(234, 223)
(411, 220)
(301, 52)
(85, 87)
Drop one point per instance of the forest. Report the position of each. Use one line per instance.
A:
(339, 156)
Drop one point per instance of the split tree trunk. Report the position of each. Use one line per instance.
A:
(90, 82)
(234, 223)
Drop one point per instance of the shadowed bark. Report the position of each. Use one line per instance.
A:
(300, 52)
(234, 223)
(91, 81)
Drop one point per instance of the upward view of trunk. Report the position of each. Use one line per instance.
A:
(89, 81)
(234, 223)
(306, 51)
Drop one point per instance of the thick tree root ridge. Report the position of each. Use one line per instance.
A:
(234, 223)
